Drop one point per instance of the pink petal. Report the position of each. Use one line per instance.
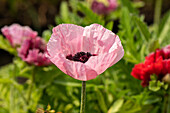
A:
(66, 38)
(32, 56)
(76, 70)
(101, 62)
(100, 8)
(22, 51)
(16, 33)
(105, 44)
(70, 39)
(97, 39)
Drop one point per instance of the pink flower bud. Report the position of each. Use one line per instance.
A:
(101, 8)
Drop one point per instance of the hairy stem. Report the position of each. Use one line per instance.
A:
(83, 97)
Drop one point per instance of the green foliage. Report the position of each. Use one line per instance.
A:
(116, 106)
(164, 29)
(143, 28)
(5, 45)
(156, 85)
(46, 35)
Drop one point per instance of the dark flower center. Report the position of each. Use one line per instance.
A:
(80, 57)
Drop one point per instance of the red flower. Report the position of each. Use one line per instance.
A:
(157, 63)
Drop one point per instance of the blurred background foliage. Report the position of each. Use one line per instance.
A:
(40, 14)
(24, 88)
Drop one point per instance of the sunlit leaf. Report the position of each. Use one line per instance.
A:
(143, 28)
(116, 106)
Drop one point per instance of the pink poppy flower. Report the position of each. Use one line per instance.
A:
(101, 8)
(16, 33)
(84, 53)
(33, 51)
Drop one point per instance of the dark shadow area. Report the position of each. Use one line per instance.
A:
(5, 57)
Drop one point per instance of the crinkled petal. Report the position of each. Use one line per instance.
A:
(94, 39)
(76, 70)
(5, 32)
(101, 62)
(16, 33)
(66, 38)
(33, 52)
(32, 56)
(42, 60)
(105, 44)
(137, 71)
(23, 50)
(99, 40)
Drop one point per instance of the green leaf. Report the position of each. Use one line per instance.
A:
(3, 110)
(151, 100)
(153, 77)
(90, 16)
(46, 35)
(154, 45)
(58, 20)
(142, 28)
(128, 4)
(101, 101)
(153, 86)
(163, 22)
(5, 81)
(73, 4)
(64, 12)
(6, 70)
(68, 107)
(5, 45)
(109, 25)
(166, 86)
(126, 21)
(165, 28)
(130, 107)
(116, 106)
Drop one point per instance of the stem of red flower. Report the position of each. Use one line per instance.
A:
(168, 105)
(83, 97)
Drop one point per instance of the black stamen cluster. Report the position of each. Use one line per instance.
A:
(80, 57)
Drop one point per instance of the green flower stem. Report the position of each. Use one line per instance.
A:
(157, 15)
(83, 97)
(31, 85)
(168, 105)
